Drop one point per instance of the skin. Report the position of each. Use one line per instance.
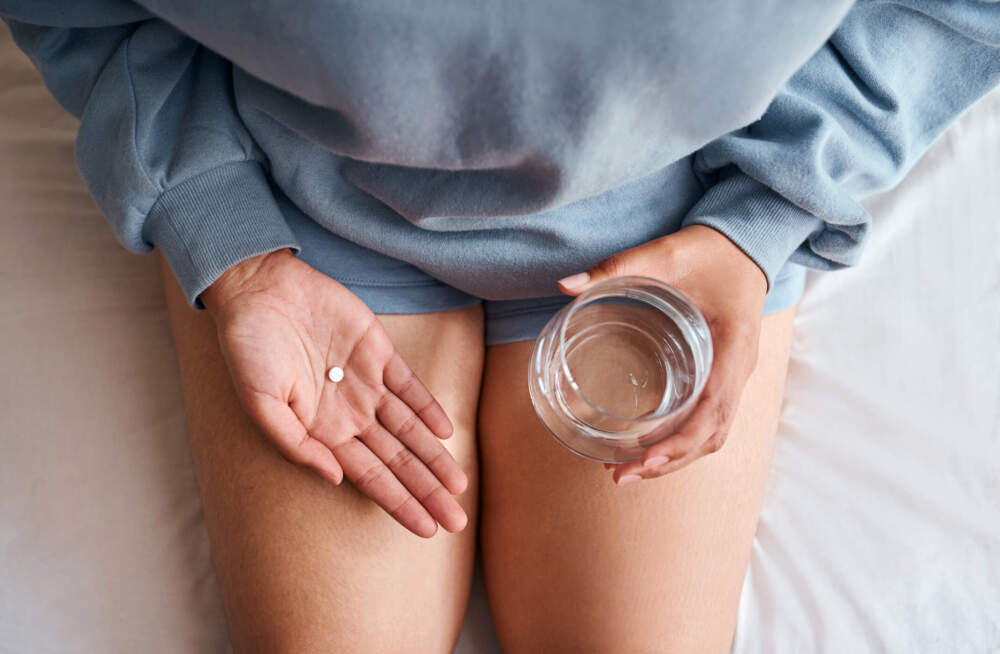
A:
(276, 326)
(282, 325)
(729, 289)
(573, 563)
(306, 566)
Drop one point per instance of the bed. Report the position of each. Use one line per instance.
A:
(880, 530)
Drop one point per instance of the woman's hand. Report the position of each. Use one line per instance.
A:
(728, 288)
(282, 325)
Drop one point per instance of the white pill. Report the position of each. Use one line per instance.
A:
(336, 374)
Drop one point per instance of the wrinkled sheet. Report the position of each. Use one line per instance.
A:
(881, 525)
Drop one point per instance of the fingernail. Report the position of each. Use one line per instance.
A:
(575, 281)
(656, 461)
(625, 479)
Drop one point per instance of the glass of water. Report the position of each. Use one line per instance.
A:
(620, 368)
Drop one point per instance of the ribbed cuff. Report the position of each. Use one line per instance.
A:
(215, 220)
(762, 223)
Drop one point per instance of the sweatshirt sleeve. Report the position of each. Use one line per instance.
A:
(850, 122)
(160, 144)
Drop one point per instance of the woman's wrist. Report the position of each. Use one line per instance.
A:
(235, 279)
(726, 249)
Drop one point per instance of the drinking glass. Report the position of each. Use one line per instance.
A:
(620, 368)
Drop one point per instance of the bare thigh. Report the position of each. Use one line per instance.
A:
(306, 566)
(573, 563)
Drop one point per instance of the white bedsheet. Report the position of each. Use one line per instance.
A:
(881, 526)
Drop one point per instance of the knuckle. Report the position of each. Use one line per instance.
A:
(660, 470)
(667, 247)
(382, 402)
(407, 384)
(370, 478)
(436, 488)
(368, 431)
(439, 459)
(684, 443)
(723, 412)
(403, 458)
(297, 453)
(397, 511)
(715, 443)
(427, 406)
(670, 468)
(409, 424)
(612, 266)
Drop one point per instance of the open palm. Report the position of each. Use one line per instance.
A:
(280, 331)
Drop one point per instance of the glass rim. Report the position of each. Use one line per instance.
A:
(623, 283)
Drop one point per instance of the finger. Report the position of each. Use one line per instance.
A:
(374, 479)
(669, 467)
(289, 435)
(633, 261)
(713, 444)
(399, 379)
(712, 415)
(406, 425)
(735, 352)
(421, 483)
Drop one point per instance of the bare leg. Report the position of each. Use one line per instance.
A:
(573, 563)
(306, 566)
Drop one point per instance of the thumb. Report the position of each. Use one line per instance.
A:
(289, 435)
(613, 266)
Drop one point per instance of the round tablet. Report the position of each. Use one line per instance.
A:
(336, 374)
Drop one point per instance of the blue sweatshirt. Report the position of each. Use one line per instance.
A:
(502, 145)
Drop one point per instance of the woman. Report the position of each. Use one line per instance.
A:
(393, 190)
